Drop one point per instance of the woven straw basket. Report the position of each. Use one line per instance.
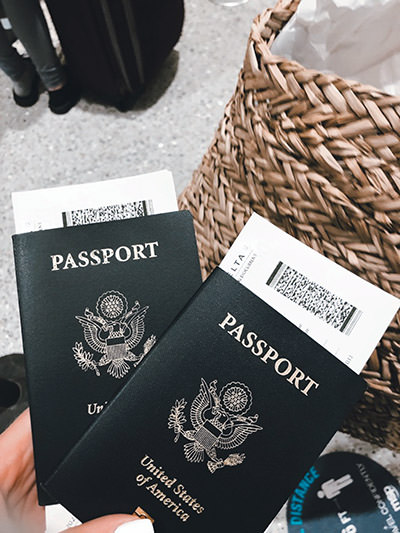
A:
(319, 157)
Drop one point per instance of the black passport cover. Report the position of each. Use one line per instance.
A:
(85, 329)
(210, 435)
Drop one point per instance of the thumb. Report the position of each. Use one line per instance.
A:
(118, 523)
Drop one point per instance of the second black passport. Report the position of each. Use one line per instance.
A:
(93, 301)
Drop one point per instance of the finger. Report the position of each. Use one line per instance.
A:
(17, 441)
(19, 429)
(16, 451)
(111, 523)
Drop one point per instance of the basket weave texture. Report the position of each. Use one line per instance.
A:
(319, 157)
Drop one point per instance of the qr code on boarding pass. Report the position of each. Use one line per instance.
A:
(107, 213)
(315, 298)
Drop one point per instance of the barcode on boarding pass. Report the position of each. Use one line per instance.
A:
(314, 298)
(107, 213)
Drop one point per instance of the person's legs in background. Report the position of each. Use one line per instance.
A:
(29, 25)
(20, 71)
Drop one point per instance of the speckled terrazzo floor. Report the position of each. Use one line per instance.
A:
(170, 127)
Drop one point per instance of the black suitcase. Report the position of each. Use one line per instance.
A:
(112, 47)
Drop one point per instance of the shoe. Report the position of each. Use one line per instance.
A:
(62, 100)
(32, 96)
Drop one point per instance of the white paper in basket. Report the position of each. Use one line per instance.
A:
(356, 39)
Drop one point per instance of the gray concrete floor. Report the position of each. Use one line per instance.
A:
(170, 127)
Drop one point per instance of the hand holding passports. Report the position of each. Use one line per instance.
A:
(223, 417)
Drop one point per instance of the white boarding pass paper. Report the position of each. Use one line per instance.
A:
(339, 310)
(59, 519)
(87, 203)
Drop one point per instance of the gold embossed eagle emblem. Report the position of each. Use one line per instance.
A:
(219, 423)
(113, 332)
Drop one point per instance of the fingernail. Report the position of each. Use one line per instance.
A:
(136, 526)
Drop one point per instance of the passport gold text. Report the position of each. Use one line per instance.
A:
(167, 490)
(104, 256)
(268, 355)
(95, 408)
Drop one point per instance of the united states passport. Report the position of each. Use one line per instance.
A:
(94, 300)
(218, 425)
